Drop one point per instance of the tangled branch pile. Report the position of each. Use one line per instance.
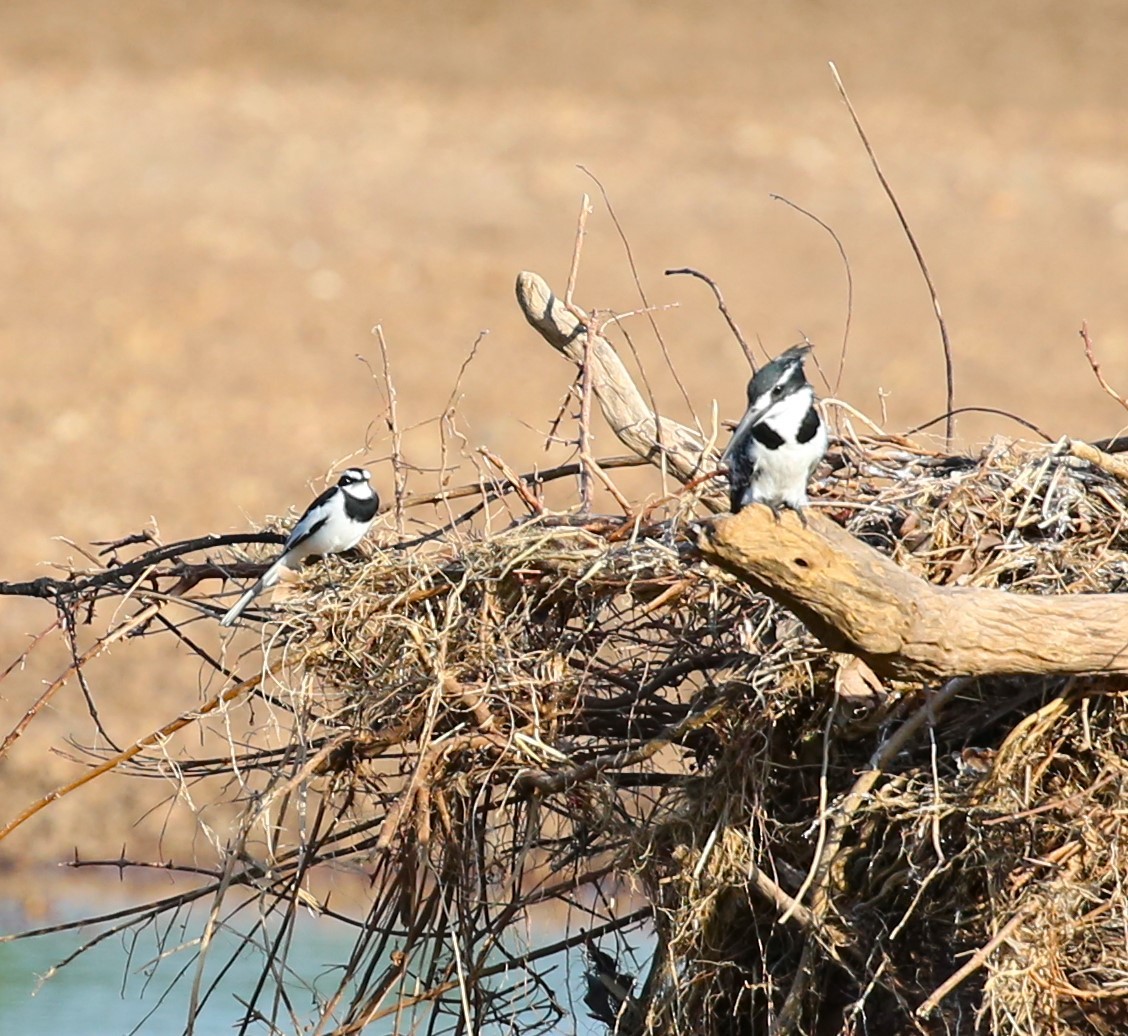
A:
(577, 725)
(575, 701)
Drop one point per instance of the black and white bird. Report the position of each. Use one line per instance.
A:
(336, 521)
(779, 441)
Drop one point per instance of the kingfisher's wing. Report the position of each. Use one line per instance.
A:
(741, 459)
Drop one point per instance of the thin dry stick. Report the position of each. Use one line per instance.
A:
(522, 960)
(447, 417)
(31, 713)
(527, 478)
(646, 307)
(447, 428)
(721, 306)
(593, 466)
(552, 783)
(617, 319)
(513, 479)
(790, 1014)
(398, 469)
(140, 745)
(231, 856)
(91, 653)
(823, 815)
(577, 249)
(973, 964)
(949, 371)
(635, 424)
(585, 368)
(1091, 357)
(849, 287)
(823, 865)
(982, 410)
(69, 624)
(21, 658)
(788, 908)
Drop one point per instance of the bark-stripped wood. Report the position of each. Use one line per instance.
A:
(850, 596)
(631, 419)
(855, 599)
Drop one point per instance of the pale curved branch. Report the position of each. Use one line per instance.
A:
(631, 419)
(851, 597)
(854, 599)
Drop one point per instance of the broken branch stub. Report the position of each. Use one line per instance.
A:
(854, 599)
(631, 419)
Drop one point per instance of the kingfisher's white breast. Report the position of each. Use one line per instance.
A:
(780, 476)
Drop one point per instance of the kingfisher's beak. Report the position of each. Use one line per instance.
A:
(747, 422)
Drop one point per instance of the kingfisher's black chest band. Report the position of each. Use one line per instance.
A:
(810, 426)
(769, 438)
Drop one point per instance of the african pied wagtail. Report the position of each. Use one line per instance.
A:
(779, 441)
(336, 521)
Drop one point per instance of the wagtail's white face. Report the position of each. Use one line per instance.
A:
(354, 481)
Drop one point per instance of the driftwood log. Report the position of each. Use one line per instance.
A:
(854, 599)
(851, 597)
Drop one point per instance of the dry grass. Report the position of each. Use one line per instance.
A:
(578, 711)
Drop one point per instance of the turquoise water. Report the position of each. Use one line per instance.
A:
(104, 992)
(115, 988)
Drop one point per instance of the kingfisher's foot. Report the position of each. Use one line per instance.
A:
(778, 509)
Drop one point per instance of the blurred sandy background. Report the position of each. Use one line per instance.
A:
(206, 208)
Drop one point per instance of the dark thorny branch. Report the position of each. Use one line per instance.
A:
(568, 767)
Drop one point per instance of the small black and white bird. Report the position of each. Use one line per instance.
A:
(779, 441)
(336, 521)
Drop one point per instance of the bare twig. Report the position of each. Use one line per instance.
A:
(981, 410)
(584, 439)
(148, 741)
(48, 588)
(721, 306)
(398, 470)
(534, 478)
(647, 309)
(513, 480)
(973, 964)
(623, 406)
(37, 706)
(833, 389)
(949, 372)
(852, 801)
(1091, 357)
